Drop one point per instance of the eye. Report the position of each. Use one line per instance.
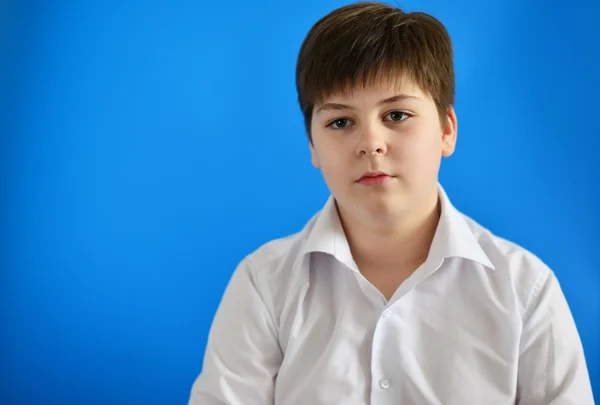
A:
(339, 123)
(397, 116)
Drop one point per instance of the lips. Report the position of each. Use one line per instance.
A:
(374, 178)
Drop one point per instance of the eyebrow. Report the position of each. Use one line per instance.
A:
(336, 106)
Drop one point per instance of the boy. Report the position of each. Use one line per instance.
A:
(389, 295)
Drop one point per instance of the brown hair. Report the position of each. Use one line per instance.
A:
(362, 42)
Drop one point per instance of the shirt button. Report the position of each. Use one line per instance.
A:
(384, 384)
(386, 313)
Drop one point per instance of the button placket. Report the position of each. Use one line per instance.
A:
(384, 384)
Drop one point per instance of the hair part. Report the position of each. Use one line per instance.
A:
(364, 43)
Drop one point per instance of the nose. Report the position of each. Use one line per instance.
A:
(372, 142)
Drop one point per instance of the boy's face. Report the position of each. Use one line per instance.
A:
(386, 130)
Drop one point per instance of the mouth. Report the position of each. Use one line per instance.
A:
(374, 178)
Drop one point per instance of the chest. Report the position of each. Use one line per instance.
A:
(386, 280)
(343, 344)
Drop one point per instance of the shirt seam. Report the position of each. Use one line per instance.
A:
(258, 282)
(533, 295)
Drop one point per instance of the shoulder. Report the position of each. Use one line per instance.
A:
(273, 270)
(272, 263)
(270, 256)
(515, 266)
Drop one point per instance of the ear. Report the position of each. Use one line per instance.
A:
(449, 133)
(314, 157)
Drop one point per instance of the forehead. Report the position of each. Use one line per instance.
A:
(373, 90)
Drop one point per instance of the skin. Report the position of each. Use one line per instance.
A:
(389, 226)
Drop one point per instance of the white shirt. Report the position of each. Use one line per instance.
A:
(481, 321)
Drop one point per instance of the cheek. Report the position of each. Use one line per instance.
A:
(334, 166)
(331, 157)
(411, 148)
(419, 151)
(425, 139)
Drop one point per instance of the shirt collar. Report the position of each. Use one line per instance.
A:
(453, 236)
(327, 235)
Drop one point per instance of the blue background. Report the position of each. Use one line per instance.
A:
(148, 146)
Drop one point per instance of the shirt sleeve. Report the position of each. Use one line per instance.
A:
(552, 366)
(242, 356)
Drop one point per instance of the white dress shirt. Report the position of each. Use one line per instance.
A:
(481, 321)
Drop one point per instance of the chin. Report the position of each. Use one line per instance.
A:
(383, 207)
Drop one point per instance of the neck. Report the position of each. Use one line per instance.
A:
(401, 242)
